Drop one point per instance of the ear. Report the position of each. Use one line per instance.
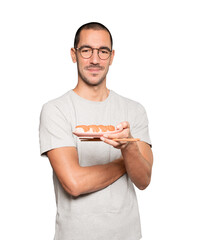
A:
(73, 54)
(112, 56)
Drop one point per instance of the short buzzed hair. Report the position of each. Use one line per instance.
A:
(91, 25)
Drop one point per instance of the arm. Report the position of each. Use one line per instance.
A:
(77, 180)
(138, 157)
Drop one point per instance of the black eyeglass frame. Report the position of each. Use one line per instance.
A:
(105, 48)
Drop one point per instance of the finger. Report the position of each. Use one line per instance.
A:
(123, 125)
(122, 134)
(111, 142)
(114, 135)
(119, 127)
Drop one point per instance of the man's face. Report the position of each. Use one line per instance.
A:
(93, 70)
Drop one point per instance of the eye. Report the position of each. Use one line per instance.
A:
(104, 51)
(86, 50)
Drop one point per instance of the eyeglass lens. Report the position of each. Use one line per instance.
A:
(87, 52)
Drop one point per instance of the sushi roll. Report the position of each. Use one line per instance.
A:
(94, 128)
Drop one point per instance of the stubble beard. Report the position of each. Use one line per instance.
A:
(87, 80)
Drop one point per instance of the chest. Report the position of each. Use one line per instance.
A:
(97, 152)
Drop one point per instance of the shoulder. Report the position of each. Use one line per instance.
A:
(130, 104)
(58, 108)
(57, 104)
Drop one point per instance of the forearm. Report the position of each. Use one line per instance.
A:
(137, 167)
(94, 178)
(76, 179)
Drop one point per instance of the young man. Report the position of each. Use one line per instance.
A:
(93, 180)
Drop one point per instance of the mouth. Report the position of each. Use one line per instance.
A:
(94, 69)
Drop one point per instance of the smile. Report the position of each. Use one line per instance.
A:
(94, 69)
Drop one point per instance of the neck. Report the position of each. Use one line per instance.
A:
(92, 93)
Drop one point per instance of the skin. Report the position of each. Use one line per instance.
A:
(92, 72)
(137, 158)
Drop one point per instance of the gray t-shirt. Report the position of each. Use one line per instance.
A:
(108, 214)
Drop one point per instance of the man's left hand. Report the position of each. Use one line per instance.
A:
(124, 133)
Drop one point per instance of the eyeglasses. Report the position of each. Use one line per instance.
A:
(87, 52)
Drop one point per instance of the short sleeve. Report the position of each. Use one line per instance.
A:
(54, 129)
(140, 125)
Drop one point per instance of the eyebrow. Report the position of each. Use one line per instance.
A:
(102, 47)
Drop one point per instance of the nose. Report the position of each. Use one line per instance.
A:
(95, 58)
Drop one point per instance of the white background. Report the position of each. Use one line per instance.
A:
(168, 57)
